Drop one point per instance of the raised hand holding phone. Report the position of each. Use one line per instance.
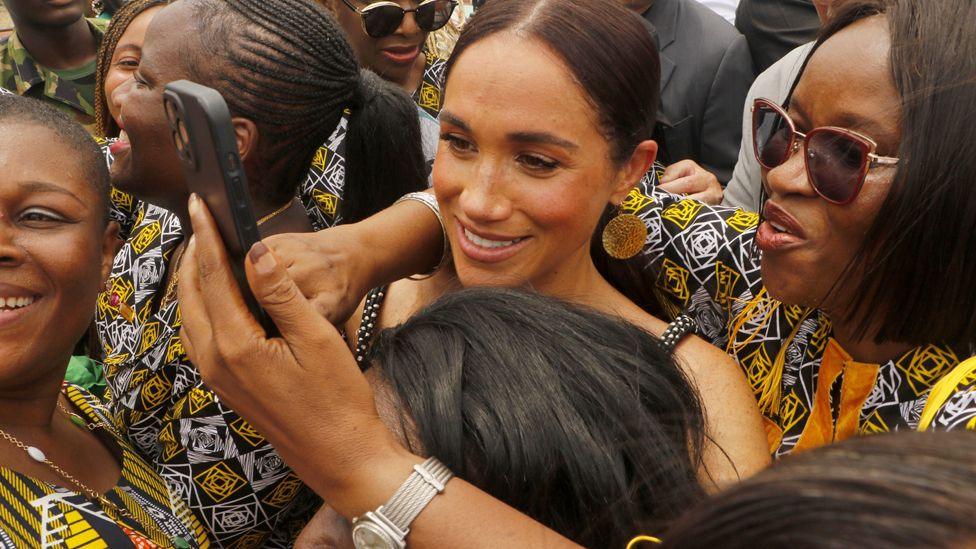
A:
(200, 124)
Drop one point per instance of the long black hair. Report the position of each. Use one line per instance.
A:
(576, 418)
(286, 66)
(909, 490)
(918, 256)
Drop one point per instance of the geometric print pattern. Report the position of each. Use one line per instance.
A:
(702, 262)
(430, 95)
(225, 470)
(228, 474)
(37, 514)
(959, 409)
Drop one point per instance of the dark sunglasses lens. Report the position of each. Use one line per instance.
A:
(836, 164)
(771, 135)
(382, 20)
(434, 15)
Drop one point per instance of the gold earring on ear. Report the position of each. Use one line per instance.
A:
(624, 236)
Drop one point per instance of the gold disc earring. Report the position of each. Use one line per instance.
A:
(624, 236)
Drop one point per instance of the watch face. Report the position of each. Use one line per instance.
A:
(367, 535)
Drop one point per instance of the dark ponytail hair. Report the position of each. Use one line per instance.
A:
(289, 69)
(576, 418)
(384, 157)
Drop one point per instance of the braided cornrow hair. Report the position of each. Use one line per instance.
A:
(286, 66)
(104, 123)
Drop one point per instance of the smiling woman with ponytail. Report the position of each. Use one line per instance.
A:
(292, 84)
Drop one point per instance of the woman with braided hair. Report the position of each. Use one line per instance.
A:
(289, 78)
(118, 57)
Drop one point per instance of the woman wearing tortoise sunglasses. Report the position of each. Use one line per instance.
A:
(389, 39)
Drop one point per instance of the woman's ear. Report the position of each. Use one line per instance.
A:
(247, 137)
(633, 170)
(111, 244)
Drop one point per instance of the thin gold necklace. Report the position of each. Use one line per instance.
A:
(153, 531)
(174, 278)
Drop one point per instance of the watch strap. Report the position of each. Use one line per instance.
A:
(426, 481)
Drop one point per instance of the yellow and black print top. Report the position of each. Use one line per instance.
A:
(430, 95)
(37, 514)
(228, 473)
(699, 257)
(230, 476)
(953, 401)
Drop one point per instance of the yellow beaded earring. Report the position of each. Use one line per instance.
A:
(624, 236)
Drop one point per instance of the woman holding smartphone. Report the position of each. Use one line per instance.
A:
(275, 76)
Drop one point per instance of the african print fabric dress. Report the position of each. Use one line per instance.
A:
(230, 476)
(430, 95)
(34, 513)
(700, 260)
(227, 472)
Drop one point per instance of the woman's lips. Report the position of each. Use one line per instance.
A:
(404, 55)
(11, 313)
(120, 145)
(487, 248)
(779, 230)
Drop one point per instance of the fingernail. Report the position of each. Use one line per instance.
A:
(263, 261)
(194, 206)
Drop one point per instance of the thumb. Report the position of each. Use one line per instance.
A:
(303, 329)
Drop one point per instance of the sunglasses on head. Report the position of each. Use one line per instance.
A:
(383, 18)
(837, 160)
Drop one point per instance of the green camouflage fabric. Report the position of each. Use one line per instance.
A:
(20, 74)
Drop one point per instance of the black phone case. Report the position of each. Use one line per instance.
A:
(204, 138)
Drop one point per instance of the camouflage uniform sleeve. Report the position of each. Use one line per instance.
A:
(699, 258)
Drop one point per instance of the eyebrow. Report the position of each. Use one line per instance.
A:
(45, 187)
(125, 46)
(544, 138)
(846, 119)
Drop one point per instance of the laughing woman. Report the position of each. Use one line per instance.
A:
(68, 475)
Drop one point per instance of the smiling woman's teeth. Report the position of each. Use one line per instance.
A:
(485, 243)
(778, 228)
(15, 302)
(124, 137)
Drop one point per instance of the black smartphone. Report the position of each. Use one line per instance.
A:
(200, 123)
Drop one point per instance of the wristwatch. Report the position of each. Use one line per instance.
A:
(387, 527)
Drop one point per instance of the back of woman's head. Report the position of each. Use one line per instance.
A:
(286, 66)
(923, 231)
(606, 47)
(576, 418)
(909, 490)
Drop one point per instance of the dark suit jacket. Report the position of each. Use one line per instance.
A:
(706, 71)
(774, 28)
